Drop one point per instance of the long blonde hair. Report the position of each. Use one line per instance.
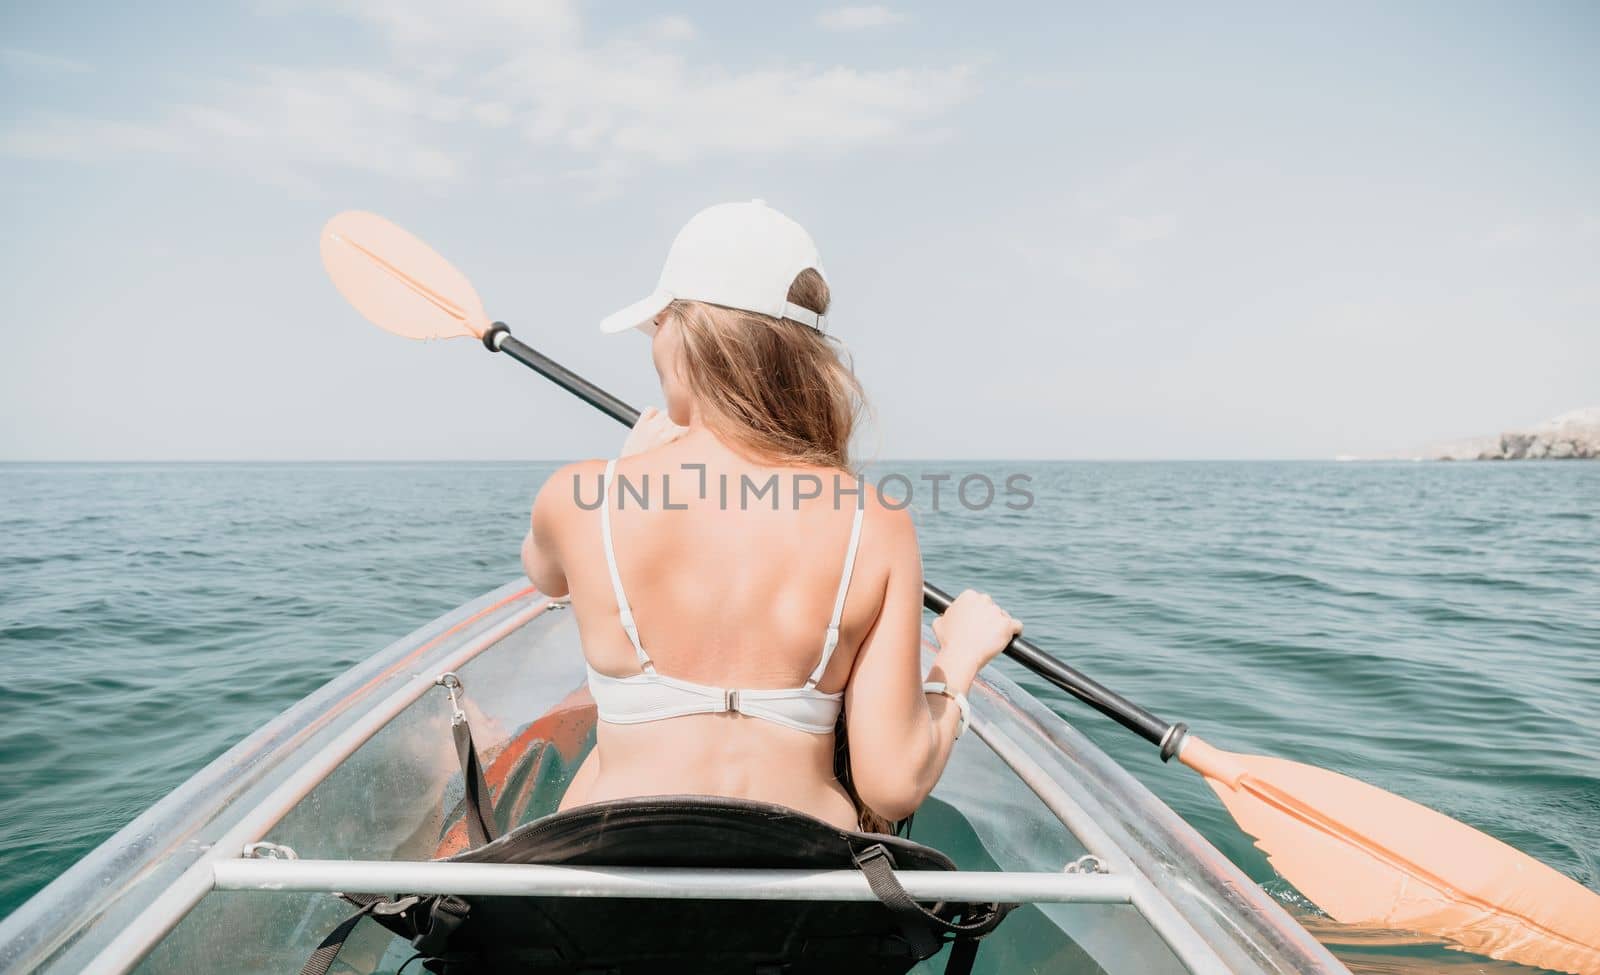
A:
(776, 388)
(781, 391)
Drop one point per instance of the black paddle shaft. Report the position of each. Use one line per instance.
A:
(1108, 702)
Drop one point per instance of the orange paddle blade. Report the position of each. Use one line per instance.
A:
(1367, 856)
(399, 283)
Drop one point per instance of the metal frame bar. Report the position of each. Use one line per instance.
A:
(666, 883)
(144, 932)
(1190, 947)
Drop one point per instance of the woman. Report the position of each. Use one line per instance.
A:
(737, 591)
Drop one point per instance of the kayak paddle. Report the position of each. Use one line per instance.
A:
(1364, 855)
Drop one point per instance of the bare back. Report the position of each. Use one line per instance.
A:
(732, 574)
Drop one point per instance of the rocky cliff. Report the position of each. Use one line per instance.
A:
(1570, 436)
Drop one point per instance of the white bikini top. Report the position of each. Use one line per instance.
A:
(650, 696)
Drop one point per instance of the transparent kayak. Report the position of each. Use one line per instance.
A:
(358, 787)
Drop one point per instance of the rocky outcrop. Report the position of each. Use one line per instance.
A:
(1570, 436)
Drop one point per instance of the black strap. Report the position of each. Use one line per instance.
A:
(920, 926)
(877, 863)
(322, 959)
(480, 809)
(963, 955)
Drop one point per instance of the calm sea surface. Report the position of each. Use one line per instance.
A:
(1433, 629)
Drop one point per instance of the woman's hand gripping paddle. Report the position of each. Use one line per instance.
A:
(1364, 855)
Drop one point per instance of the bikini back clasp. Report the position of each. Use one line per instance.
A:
(652, 696)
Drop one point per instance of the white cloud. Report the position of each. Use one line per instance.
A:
(276, 123)
(1508, 237)
(1136, 182)
(1110, 262)
(70, 139)
(1135, 230)
(663, 107)
(1103, 269)
(426, 27)
(35, 62)
(595, 107)
(1529, 234)
(673, 28)
(859, 18)
(600, 181)
(1101, 232)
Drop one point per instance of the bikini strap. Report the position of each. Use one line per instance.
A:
(623, 609)
(832, 639)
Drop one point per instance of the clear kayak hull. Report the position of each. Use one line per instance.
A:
(365, 770)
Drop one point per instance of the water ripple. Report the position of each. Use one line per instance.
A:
(1432, 629)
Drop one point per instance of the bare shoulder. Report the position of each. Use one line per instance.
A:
(566, 494)
(888, 523)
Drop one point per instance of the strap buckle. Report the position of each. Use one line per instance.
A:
(730, 700)
(446, 913)
(392, 908)
(871, 853)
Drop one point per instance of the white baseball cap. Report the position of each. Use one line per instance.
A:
(737, 255)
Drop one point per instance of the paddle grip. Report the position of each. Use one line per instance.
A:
(504, 341)
(1109, 703)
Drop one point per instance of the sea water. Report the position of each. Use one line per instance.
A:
(1433, 629)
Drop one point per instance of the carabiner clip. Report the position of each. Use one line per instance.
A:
(452, 684)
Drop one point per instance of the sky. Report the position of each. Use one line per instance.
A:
(1052, 230)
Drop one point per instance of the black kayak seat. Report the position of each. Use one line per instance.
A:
(543, 935)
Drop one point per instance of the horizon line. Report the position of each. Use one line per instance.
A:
(569, 460)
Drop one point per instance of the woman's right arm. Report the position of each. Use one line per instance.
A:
(555, 506)
(900, 738)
